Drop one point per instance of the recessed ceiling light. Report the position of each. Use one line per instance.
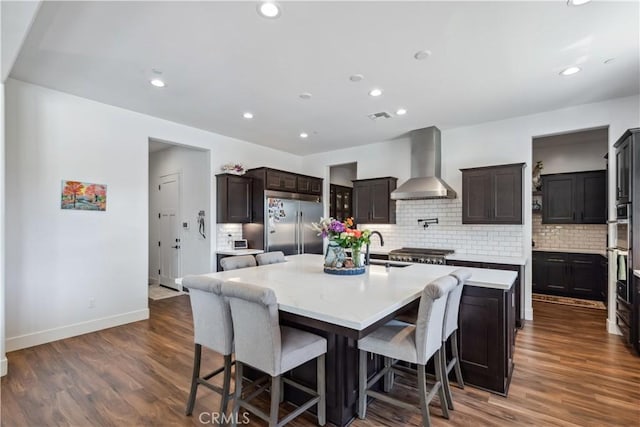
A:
(401, 112)
(577, 2)
(157, 82)
(248, 115)
(269, 9)
(356, 77)
(304, 135)
(375, 92)
(305, 95)
(422, 54)
(569, 71)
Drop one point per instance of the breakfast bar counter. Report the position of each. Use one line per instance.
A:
(344, 309)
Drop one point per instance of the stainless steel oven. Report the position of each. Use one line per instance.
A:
(623, 281)
(623, 235)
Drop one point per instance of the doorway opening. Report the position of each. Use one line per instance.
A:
(569, 219)
(179, 204)
(341, 190)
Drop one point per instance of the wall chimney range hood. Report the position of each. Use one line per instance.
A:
(425, 181)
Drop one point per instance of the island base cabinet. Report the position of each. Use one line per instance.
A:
(487, 339)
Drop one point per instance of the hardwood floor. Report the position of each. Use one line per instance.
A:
(569, 372)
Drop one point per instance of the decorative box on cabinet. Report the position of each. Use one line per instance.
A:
(372, 202)
(233, 198)
(492, 194)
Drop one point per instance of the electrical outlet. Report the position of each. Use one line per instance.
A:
(92, 303)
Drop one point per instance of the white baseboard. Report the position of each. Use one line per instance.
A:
(528, 313)
(49, 335)
(3, 367)
(612, 328)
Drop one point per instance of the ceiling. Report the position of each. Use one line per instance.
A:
(490, 60)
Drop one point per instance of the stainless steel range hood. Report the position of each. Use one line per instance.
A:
(425, 181)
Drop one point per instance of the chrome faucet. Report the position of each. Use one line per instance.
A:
(367, 259)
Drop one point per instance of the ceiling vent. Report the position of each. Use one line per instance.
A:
(380, 115)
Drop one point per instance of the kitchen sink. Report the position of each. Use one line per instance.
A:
(387, 263)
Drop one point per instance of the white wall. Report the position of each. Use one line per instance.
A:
(3, 358)
(343, 175)
(561, 158)
(492, 143)
(61, 259)
(195, 182)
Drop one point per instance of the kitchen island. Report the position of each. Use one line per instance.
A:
(344, 309)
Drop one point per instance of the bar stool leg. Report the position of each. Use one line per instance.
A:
(362, 385)
(445, 376)
(237, 395)
(226, 385)
(454, 347)
(321, 389)
(275, 401)
(197, 355)
(422, 391)
(443, 400)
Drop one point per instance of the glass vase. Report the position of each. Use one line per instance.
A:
(358, 257)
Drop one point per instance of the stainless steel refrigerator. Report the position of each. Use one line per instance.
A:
(288, 226)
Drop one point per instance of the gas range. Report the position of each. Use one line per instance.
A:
(420, 255)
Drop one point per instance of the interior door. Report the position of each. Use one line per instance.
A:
(169, 244)
(310, 242)
(281, 229)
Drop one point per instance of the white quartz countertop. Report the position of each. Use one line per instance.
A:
(602, 252)
(510, 260)
(240, 252)
(355, 302)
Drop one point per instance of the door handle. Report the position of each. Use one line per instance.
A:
(176, 247)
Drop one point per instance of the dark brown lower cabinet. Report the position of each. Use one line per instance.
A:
(517, 286)
(573, 275)
(487, 337)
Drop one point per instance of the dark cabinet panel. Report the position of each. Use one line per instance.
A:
(486, 337)
(340, 202)
(492, 195)
(283, 181)
(558, 199)
(309, 185)
(372, 203)
(476, 194)
(623, 170)
(570, 274)
(233, 198)
(517, 285)
(574, 198)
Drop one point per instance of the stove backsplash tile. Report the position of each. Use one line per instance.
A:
(449, 233)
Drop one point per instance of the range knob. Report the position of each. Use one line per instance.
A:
(440, 261)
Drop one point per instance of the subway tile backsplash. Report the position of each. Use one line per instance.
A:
(568, 236)
(222, 235)
(449, 233)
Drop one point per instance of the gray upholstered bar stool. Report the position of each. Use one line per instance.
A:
(235, 262)
(262, 343)
(410, 343)
(270, 258)
(212, 328)
(450, 329)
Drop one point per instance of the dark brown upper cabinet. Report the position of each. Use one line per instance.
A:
(340, 202)
(574, 198)
(372, 202)
(233, 194)
(282, 181)
(623, 169)
(277, 180)
(492, 194)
